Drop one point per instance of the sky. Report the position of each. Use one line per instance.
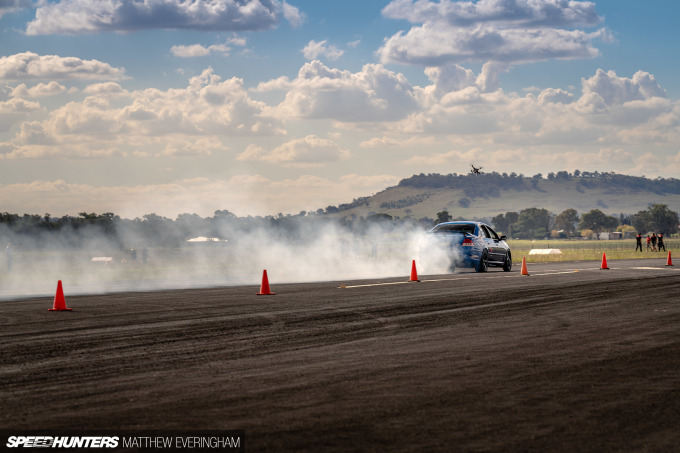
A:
(265, 107)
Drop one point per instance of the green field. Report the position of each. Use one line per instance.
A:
(579, 250)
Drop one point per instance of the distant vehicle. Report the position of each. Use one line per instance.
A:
(468, 244)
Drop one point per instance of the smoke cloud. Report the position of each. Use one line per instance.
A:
(156, 253)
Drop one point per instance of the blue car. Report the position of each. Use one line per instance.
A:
(468, 244)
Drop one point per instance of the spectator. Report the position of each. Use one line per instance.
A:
(638, 238)
(649, 243)
(653, 242)
(660, 242)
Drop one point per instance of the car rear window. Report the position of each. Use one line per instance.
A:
(454, 228)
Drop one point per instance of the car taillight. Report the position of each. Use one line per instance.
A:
(467, 242)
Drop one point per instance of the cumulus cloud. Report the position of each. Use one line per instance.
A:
(373, 94)
(552, 95)
(619, 90)
(614, 110)
(104, 88)
(313, 50)
(91, 16)
(40, 90)
(31, 66)
(13, 110)
(506, 31)
(198, 50)
(518, 13)
(303, 152)
(111, 121)
(18, 106)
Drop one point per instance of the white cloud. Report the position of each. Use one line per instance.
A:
(612, 110)
(293, 15)
(373, 94)
(517, 13)
(112, 121)
(40, 90)
(91, 16)
(435, 44)
(194, 50)
(618, 90)
(13, 110)
(304, 152)
(198, 50)
(16, 105)
(506, 31)
(31, 66)
(314, 50)
(104, 89)
(555, 96)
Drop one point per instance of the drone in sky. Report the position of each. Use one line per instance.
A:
(475, 170)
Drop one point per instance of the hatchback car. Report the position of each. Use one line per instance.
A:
(468, 244)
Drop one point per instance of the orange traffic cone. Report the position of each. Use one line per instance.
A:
(524, 266)
(414, 273)
(264, 287)
(669, 262)
(604, 261)
(59, 301)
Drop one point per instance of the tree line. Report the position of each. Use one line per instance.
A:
(488, 184)
(108, 230)
(535, 223)
(152, 230)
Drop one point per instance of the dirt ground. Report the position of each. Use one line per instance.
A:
(564, 360)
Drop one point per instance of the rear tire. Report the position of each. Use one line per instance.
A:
(507, 264)
(483, 264)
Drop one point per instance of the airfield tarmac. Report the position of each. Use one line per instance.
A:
(570, 358)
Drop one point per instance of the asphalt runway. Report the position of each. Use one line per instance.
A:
(570, 358)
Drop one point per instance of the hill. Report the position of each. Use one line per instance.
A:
(489, 194)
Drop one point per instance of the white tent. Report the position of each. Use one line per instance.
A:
(545, 252)
(204, 240)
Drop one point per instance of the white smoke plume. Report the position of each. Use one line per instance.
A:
(89, 262)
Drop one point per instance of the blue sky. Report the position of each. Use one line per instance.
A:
(261, 107)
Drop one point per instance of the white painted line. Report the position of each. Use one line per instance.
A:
(402, 283)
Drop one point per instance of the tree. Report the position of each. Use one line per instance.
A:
(503, 223)
(598, 221)
(657, 218)
(641, 221)
(443, 216)
(533, 223)
(566, 221)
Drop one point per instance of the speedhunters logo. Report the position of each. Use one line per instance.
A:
(61, 442)
(168, 441)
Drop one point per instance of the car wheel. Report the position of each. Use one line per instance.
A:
(483, 262)
(507, 264)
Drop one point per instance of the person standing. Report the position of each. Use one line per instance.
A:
(649, 243)
(660, 242)
(653, 242)
(638, 244)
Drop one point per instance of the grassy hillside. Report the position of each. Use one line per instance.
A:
(484, 196)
